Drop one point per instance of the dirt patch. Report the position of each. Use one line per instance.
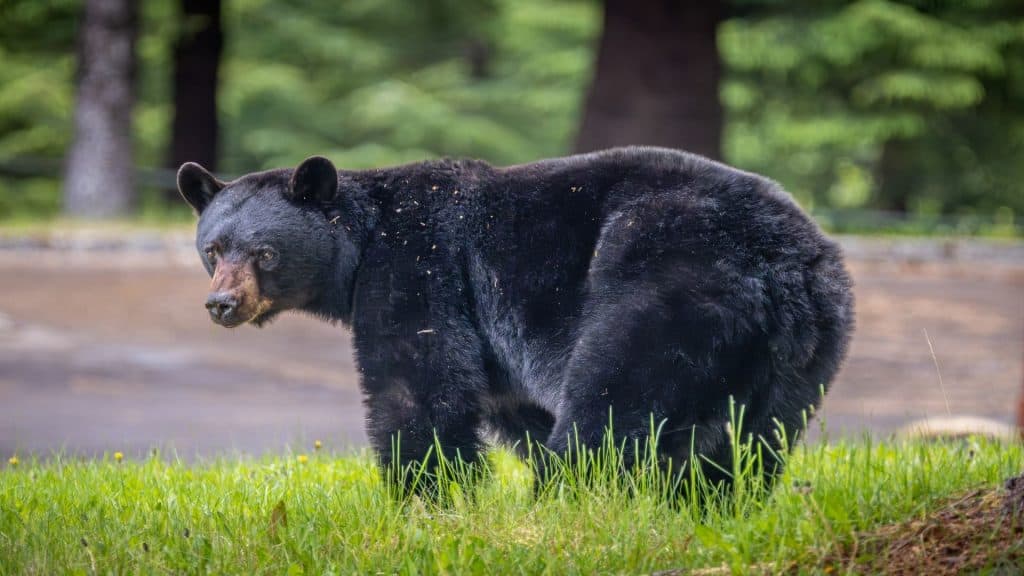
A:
(105, 345)
(980, 531)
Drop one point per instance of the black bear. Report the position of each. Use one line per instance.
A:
(647, 284)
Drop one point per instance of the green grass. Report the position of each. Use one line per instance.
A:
(331, 514)
(36, 226)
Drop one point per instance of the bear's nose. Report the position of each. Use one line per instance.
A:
(221, 305)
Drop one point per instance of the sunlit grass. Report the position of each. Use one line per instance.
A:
(325, 513)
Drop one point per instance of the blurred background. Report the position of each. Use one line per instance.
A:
(898, 125)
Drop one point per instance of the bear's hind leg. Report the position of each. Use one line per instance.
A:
(621, 376)
(655, 355)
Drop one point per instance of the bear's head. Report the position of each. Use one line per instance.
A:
(272, 242)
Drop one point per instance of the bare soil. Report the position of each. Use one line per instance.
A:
(982, 530)
(108, 347)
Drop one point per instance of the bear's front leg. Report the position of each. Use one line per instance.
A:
(423, 390)
(412, 432)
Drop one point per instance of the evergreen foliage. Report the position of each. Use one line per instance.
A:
(913, 106)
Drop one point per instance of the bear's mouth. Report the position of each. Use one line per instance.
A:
(257, 315)
(264, 313)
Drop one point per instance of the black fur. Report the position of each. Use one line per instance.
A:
(535, 298)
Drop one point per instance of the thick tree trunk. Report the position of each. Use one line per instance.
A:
(656, 79)
(99, 179)
(195, 131)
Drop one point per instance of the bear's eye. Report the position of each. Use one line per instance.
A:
(211, 254)
(267, 258)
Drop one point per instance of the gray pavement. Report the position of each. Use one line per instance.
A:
(105, 345)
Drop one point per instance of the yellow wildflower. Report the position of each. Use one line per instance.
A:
(118, 457)
(302, 458)
(318, 445)
(13, 460)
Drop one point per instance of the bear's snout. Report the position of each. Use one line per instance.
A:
(222, 306)
(234, 294)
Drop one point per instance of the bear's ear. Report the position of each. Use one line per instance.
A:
(197, 186)
(315, 180)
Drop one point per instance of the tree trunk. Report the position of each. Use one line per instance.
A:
(656, 79)
(195, 131)
(896, 178)
(99, 180)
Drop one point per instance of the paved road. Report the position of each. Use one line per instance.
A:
(110, 349)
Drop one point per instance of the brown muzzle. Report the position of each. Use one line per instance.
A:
(235, 294)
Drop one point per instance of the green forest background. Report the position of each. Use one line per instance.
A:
(874, 114)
